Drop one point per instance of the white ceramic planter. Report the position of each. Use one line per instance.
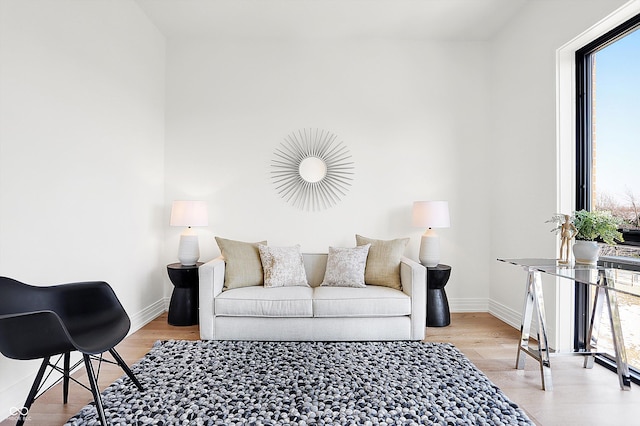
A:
(586, 252)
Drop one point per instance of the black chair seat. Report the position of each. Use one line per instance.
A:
(99, 337)
(32, 335)
(40, 322)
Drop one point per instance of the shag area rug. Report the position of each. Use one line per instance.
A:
(305, 383)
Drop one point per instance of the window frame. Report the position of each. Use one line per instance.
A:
(584, 164)
(584, 119)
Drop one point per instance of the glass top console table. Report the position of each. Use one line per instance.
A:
(607, 279)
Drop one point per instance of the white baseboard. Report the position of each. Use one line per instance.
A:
(148, 314)
(469, 305)
(505, 314)
(496, 309)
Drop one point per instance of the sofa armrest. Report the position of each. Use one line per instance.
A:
(413, 277)
(211, 282)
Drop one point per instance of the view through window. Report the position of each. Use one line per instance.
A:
(615, 168)
(616, 129)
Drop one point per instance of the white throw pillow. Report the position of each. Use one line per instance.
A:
(345, 266)
(283, 266)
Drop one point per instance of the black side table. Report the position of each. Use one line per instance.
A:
(183, 308)
(437, 304)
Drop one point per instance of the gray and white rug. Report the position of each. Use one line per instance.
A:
(305, 383)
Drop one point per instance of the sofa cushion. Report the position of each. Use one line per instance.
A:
(345, 266)
(265, 302)
(383, 262)
(371, 301)
(243, 267)
(283, 266)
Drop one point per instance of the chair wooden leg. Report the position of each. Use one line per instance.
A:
(33, 392)
(125, 368)
(95, 389)
(65, 380)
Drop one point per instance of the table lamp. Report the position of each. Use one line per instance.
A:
(430, 214)
(189, 213)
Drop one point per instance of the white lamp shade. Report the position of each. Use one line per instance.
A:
(189, 213)
(431, 214)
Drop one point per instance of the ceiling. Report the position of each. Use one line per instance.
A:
(411, 19)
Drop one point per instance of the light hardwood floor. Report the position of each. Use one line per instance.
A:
(580, 396)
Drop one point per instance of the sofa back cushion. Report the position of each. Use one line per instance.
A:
(314, 265)
(250, 272)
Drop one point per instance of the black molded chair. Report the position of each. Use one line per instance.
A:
(42, 322)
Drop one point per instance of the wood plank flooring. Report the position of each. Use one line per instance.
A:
(580, 396)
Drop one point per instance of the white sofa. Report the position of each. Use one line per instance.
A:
(314, 313)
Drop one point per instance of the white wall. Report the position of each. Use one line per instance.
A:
(90, 158)
(81, 154)
(411, 112)
(524, 178)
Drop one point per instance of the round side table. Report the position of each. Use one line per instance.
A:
(437, 304)
(183, 308)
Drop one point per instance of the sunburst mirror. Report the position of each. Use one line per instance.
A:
(311, 170)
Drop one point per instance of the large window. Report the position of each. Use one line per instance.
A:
(608, 160)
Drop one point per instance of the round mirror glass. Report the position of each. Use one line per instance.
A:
(312, 169)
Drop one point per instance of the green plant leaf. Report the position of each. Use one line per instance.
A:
(601, 224)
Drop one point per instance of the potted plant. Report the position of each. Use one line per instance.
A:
(586, 227)
(591, 226)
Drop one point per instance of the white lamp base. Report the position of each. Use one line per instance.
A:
(189, 248)
(430, 249)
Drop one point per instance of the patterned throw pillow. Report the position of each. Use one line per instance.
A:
(242, 263)
(345, 267)
(383, 262)
(283, 266)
